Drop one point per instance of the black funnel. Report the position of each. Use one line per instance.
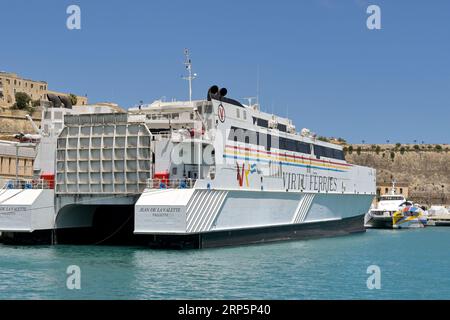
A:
(212, 92)
(56, 102)
(223, 92)
(66, 101)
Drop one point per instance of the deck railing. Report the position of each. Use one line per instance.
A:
(170, 183)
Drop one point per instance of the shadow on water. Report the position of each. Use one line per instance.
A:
(111, 225)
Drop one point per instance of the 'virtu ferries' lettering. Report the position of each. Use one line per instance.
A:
(298, 181)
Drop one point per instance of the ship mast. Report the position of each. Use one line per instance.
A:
(393, 187)
(191, 76)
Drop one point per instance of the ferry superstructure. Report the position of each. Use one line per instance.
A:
(198, 174)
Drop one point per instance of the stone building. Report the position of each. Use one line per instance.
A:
(11, 83)
(16, 161)
(400, 189)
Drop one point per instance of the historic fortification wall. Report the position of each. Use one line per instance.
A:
(425, 168)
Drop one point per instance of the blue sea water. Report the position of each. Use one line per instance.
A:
(414, 264)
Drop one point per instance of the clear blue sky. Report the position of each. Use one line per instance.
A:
(318, 61)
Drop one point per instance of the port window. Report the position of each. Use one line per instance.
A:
(386, 190)
(174, 170)
(245, 114)
(238, 115)
(401, 190)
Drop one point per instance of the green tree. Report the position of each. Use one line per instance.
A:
(438, 148)
(416, 147)
(402, 150)
(378, 149)
(350, 149)
(392, 155)
(342, 140)
(358, 150)
(73, 99)
(22, 100)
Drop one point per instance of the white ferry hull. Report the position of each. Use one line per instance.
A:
(210, 218)
(26, 210)
(378, 222)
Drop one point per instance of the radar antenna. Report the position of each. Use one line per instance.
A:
(191, 76)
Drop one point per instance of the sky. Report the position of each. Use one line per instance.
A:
(316, 60)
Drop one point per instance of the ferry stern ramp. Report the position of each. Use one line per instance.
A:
(103, 162)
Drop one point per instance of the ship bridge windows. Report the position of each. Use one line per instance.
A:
(282, 127)
(265, 124)
(261, 122)
(268, 141)
(321, 151)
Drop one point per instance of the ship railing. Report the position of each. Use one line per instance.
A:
(26, 184)
(170, 183)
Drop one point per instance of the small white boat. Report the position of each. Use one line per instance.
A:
(381, 215)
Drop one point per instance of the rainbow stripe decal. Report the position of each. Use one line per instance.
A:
(249, 154)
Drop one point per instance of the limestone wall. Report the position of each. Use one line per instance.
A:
(426, 170)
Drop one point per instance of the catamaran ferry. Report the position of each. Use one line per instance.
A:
(195, 174)
(205, 173)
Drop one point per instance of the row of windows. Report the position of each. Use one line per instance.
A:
(322, 151)
(261, 122)
(41, 87)
(265, 124)
(282, 143)
(238, 114)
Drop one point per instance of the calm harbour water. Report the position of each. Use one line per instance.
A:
(415, 264)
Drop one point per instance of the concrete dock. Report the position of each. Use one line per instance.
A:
(439, 220)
